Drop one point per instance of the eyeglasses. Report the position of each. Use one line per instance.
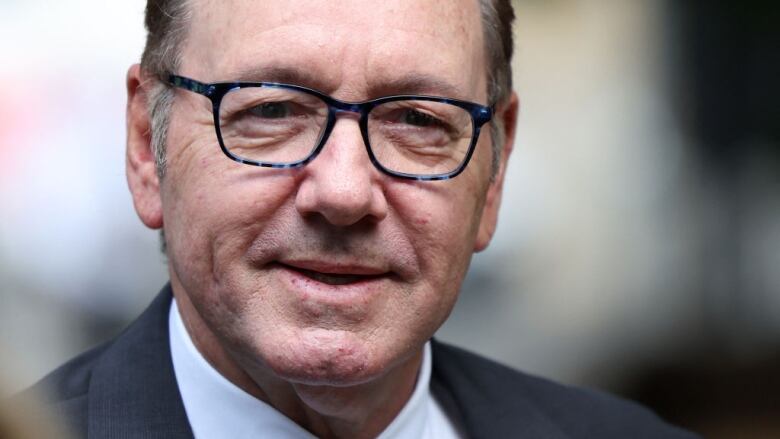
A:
(286, 126)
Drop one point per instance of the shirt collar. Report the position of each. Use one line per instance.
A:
(217, 408)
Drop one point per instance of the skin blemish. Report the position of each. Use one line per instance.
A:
(302, 285)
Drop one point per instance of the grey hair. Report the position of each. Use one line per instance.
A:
(167, 24)
(497, 18)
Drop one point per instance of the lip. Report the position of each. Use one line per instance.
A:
(312, 291)
(335, 268)
(332, 278)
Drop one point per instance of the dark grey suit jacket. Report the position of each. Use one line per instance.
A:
(126, 388)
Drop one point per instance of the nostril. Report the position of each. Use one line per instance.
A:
(340, 201)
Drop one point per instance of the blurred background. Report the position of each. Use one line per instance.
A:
(638, 249)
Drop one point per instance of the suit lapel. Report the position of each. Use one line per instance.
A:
(481, 407)
(133, 391)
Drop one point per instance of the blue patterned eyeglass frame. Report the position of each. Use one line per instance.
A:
(480, 115)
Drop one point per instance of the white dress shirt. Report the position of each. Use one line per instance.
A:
(216, 408)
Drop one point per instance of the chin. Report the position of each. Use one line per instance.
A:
(325, 357)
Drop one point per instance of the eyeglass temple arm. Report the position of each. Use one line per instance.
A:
(189, 84)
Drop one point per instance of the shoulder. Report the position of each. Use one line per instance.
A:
(117, 383)
(70, 380)
(64, 391)
(514, 397)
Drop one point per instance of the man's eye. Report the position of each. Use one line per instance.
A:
(419, 119)
(270, 110)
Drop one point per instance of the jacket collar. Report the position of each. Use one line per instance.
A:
(482, 403)
(133, 391)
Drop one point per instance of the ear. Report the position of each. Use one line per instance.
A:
(141, 168)
(507, 114)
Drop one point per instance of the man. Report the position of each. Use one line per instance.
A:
(363, 151)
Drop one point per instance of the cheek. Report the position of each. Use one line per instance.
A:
(214, 209)
(441, 223)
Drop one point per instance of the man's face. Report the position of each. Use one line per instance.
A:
(331, 273)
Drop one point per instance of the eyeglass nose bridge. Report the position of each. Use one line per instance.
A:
(357, 111)
(338, 107)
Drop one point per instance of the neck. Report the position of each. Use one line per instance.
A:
(327, 411)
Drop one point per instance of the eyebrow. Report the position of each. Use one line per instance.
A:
(411, 83)
(416, 83)
(279, 74)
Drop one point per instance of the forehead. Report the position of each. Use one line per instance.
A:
(350, 46)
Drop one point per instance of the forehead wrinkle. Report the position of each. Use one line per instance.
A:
(279, 46)
(226, 35)
(453, 64)
(399, 73)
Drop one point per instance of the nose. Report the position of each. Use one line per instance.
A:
(341, 184)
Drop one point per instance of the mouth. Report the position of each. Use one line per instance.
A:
(335, 275)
